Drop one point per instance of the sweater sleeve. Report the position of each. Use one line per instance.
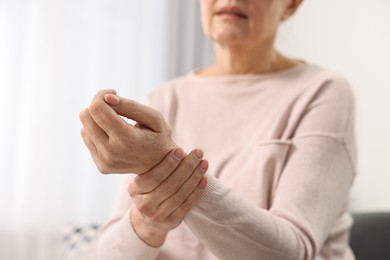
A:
(117, 239)
(311, 193)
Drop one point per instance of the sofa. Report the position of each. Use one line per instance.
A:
(370, 236)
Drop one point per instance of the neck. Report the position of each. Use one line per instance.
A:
(244, 60)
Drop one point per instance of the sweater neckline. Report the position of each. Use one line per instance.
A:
(232, 77)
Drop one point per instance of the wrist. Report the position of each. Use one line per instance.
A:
(150, 236)
(155, 160)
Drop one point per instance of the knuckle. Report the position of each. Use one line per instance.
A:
(159, 116)
(102, 92)
(83, 114)
(145, 205)
(149, 179)
(95, 108)
(102, 164)
(144, 208)
(131, 189)
(102, 168)
(108, 159)
(187, 205)
(168, 165)
(178, 198)
(156, 218)
(83, 132)
(106, 165)
(168, 130)
(169, 186)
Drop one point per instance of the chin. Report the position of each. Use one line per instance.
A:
(227, 39)
(228, 36)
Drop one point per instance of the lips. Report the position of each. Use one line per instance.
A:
(232, 11)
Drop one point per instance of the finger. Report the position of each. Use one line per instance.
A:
(173, 183)
(191, 201)
(144, 115)
(182, 195)
(90, 145)
(148, 181)
(148, 204)
(105, 117)
(95, 133)
(87, 141)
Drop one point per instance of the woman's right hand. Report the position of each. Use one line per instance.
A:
(119, 147)
(165, 194)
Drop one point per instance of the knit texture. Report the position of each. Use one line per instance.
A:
(282, 159)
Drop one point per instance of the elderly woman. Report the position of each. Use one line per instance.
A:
(278, 135)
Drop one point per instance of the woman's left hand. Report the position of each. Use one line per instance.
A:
(165, 194)
(119, 147)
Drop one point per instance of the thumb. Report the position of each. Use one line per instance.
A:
(144, 115)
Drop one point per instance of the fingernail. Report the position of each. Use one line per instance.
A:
(204, 165)
(178, 153)
(199, 153)
(111, 99)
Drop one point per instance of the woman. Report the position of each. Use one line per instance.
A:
(278, 134)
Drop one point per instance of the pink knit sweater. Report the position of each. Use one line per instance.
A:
(282, 160)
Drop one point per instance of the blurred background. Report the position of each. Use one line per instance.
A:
(56, 54)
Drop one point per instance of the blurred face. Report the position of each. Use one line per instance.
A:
(230, 22)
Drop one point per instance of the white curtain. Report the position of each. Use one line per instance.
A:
(54, 56)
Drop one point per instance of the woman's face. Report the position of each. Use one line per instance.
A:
(232, 22)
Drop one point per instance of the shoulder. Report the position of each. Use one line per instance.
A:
(170, 86)
(166, 92)
(315, 86)
(326, 104)
(322, 80)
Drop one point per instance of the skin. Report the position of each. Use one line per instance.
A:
(246, 46)
(169, 181)
(163, 197)
(115, 145)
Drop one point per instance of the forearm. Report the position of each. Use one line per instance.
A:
(232, 228)
(150, 236)
(118, 241)
(309, 197)
(159, 201)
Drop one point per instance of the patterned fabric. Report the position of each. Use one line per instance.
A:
(78, 242)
